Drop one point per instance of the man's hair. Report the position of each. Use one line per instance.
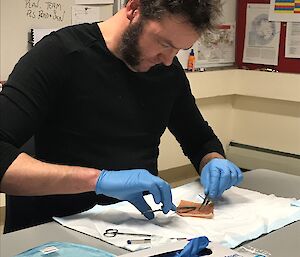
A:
(201, 14)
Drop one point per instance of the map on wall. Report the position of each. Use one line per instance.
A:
(262, 32)
(261, 36)
(216, 47)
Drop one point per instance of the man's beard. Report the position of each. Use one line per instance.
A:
(129, 45)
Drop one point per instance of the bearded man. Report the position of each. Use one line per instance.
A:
(98, 97)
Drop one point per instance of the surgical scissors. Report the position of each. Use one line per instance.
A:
(111, 232)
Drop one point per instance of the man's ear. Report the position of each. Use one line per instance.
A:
(132, 9)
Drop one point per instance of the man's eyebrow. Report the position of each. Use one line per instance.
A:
(187, 48)
(170, 43)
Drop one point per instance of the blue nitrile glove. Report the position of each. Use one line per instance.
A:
(129, 185)
(194, 247)
(219, 175)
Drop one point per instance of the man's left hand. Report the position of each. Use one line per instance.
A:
(219, 175)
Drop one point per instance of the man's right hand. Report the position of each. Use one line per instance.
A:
(129, 185)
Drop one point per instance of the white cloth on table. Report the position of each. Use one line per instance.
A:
(239, 216)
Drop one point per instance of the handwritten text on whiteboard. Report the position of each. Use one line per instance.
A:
(47, 10)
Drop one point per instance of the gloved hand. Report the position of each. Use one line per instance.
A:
(129, 185)
(194, 247)
(219, 175)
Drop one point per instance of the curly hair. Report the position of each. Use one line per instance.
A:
(201, 14)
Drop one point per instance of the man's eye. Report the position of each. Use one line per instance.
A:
(164, 45)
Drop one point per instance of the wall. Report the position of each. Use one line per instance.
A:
(249, 107)
(214, 110)
(2, 204)
(2, 200)
(272, 124)
(17, 17)
(228, 11)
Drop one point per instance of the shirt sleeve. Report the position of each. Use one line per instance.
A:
(194, 134)
(27, 96)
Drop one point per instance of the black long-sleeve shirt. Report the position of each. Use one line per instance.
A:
(86, 108)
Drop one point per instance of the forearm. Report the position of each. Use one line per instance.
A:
(209, 157)
(28, 176)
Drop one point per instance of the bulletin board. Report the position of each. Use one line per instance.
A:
(291, 65)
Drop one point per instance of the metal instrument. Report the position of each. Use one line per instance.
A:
(187, 208)
(205, 202)
(111, 232)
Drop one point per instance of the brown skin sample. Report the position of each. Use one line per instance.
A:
(205, 212)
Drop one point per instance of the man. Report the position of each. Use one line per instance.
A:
(98, 97)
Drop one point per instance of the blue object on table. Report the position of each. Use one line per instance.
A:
(65, 249)
(195, 248)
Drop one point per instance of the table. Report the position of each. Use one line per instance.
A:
(282, 242)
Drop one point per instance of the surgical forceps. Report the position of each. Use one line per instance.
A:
(205, 202)
(111, 232)
(186, 208)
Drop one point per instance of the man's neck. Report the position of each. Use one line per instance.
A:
(113, 29)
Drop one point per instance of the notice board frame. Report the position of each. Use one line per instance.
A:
(290, 65)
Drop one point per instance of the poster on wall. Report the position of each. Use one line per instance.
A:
(261, 36)
(217, 47)
(292, 40)
(82, 14)
(284, 10)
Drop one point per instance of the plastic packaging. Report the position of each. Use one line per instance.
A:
(64, 249)
(250, 251)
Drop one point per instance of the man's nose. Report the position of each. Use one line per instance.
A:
(167, 56)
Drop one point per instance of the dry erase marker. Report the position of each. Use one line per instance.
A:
(139, 241)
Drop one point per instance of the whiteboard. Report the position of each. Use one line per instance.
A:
(18, 17)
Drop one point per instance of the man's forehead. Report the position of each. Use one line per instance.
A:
(174, 44)
(175, 31)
